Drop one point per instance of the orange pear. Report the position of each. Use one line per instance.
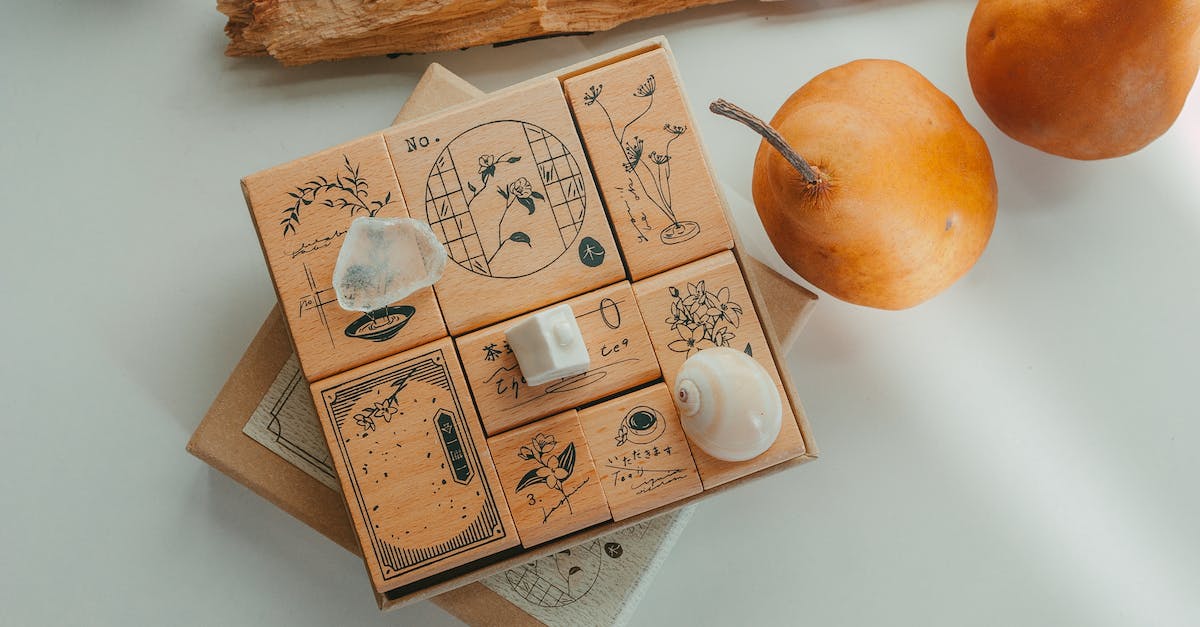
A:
(1085, 79)
(894, 198)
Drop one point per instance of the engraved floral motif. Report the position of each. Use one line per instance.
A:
(647, 88)
(653, 180)
(702, 318)
(552, 470)
(487, 168)
(383, 410)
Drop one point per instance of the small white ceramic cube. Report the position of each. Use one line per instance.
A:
(549, 346)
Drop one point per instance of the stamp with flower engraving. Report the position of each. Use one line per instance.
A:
(703, 305)
(506, 186)
(405, 440)
(648, 161)
(549, 478)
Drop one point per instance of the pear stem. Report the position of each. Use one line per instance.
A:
(727, 109)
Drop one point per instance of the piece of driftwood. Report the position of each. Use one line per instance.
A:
(297, 33)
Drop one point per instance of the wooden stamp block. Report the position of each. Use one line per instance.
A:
(640, 451)
(421, 486)
(506, 186)
(706, 304)
(648, 161)
(302, 211)
(618, 346)
(549, 478)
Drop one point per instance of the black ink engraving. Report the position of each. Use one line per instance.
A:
(509, 383)
(460, 468)
(591, 253)
(552, 470)
(518, 211)
(316, 299)
(366, 415)
(610, 313)
(641, 425)
(641, 223)
(653, 180)
(382, 324)
(613, 549)
(346, 190)
(702, 318)
(318, 243)
(561, 579)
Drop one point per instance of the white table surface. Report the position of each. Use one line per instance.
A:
(1019, 451)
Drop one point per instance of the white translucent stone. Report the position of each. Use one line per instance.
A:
(383, 260)
(548, 345)
(728, 404)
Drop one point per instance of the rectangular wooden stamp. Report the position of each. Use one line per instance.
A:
(648, 162)
(421, 486)
(640, 450)
(618, 346)
(302, 211)
(706, 304)
(507, 189)
(549, 478)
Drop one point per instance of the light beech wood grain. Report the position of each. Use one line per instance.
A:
(549, 478)
(420, 484)
(645, 153)
(640, 450)
(505, 184)
(618, 347)
(718, 279)
(302, 210)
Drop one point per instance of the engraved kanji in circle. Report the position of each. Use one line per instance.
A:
(506, 198)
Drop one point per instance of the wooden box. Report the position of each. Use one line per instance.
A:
(592, 255)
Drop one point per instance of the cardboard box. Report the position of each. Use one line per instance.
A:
(219, 439)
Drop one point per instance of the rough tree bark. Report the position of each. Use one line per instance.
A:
(297, 32)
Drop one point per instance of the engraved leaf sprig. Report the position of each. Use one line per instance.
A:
(382, 410)
(347, 190)
(519, 191)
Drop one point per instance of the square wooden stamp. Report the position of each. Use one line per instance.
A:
(302, 210)
(421, 486)
(506, 187)
(549, 478)
(618, 346)
(706, 304)
(649, 164)
(640, 451)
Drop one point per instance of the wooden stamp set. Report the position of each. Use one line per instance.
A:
(588, 187)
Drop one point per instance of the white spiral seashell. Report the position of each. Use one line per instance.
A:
(728, 404)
